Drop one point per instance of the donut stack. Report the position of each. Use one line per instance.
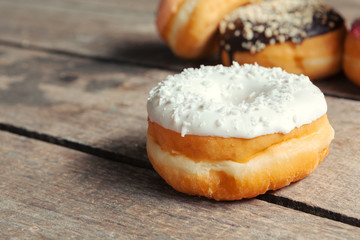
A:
(237, 130)
(300, 36)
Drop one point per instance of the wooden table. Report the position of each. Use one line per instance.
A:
(74, 79)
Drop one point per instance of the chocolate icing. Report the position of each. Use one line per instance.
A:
(250, 28)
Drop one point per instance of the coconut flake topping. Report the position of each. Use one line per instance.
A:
(238, 101)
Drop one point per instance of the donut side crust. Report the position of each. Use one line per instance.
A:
(316, 57)
(165, 14)
(351, 63)
(189, 26)
(212, 148)
(270, 169)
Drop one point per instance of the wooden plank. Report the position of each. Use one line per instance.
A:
(103, 106)
(118, 30)
(78, 100)
(48, 192)
(111, 29)
(339, 85)
(93, 6)
(335, 184)
(122, 33)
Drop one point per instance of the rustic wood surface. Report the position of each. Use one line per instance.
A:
(335, 184)
(118, 30)
(104, 106)
(77, 73)
(51, 192)
(97, 104)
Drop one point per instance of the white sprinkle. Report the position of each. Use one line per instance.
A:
(225, 101)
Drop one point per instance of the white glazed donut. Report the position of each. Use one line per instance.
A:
(235, 132)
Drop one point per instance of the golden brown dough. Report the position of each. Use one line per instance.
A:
(300, 36)
(316, 57)
(351, 63)
(281, 159)
(189, 27)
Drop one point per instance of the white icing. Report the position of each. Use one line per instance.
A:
(238, 101)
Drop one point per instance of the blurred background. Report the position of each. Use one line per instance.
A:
(111, 29)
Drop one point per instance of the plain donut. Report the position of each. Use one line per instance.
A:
(188, 26)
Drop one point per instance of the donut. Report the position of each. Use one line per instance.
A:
(228, 133)
(351, 63)
(300, 36)
(189, 26)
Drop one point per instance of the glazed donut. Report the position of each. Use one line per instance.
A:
(229, 133)
(351, 63)
(189, 26)
(300, 36)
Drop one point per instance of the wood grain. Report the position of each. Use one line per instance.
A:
(93, 103)
(48, 192)
(339, 86)
(109, 29)
(96, 103)
(104, 106)
(116, 31)
(334, 185)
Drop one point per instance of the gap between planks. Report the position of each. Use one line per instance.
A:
(277, 200)
(115, 60)
(94, 58)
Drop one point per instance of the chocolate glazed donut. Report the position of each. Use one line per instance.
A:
(301, 36)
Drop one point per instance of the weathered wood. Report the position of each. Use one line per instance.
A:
(108, 7)
(48, 192)
(339, 85)
(335, 184)
(97, 104)
(104, 106)
(117, 30)
(111, 29)
(123, 33)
